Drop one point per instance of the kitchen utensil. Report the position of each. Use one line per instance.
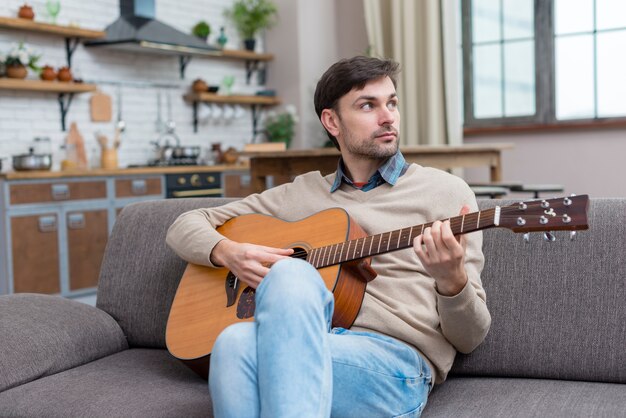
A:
(32, 161)
(121, 125)
(182, 151)
(75, 139)
(101, 108)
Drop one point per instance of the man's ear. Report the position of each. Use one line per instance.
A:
(330, 120)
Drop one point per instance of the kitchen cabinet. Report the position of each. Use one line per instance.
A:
(56, 230)
(35, 253)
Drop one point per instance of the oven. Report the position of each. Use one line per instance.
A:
(193, 185)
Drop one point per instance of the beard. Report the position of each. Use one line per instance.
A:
(369, 148)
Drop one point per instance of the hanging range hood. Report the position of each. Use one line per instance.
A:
(137, 30)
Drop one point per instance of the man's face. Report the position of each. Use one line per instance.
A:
(368, 121)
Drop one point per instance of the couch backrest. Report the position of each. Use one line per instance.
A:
(558, 309)
(140, 273)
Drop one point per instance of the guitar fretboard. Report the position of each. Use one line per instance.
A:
(393, 240)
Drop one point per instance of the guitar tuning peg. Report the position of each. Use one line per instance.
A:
(527, 237)
(572, 235)
(549, 237)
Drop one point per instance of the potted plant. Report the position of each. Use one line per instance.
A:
(202, 30)
(250, 16)
(18, 60)
(280, 127)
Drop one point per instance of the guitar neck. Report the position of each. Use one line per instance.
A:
(396, 240)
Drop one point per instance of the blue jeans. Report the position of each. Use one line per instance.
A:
(289, 363)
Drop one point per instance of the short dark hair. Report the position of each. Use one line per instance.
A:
(348, 74)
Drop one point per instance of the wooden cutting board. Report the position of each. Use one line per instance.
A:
(101, 109)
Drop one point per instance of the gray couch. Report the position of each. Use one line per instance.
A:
(557, 346)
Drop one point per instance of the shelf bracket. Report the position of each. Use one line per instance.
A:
(251, 66)
(64, 105)
(183, 61)
(195, 116)
(256, 113)
(70, 47)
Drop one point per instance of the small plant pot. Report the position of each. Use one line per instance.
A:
(16, 71)
(48, 73)
(26, 12)
(65, 74)
(249, 44)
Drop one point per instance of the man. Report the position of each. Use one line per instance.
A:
(426, 302)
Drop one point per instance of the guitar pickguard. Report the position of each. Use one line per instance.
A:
(232, 288)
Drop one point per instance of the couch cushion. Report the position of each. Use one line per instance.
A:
(501, 397)
(140, 274)
(558, 309)
(41, 335)
(132, 383)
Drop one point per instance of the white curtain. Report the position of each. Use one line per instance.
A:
(422, 36)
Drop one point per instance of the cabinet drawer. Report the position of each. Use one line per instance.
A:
(35, 253)
(58, 191)
(138, 187)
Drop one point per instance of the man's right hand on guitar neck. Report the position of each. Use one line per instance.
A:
(249, 262)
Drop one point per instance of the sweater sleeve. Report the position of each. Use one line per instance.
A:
(193, 234)
(464, 318)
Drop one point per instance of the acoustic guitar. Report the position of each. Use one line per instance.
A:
(210, 299)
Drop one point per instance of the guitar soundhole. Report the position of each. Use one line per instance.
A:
(300, 253)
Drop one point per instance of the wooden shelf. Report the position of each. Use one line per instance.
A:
(65, 31)
(253, 101)
(45, 86)
(244, 100)
(246, 55)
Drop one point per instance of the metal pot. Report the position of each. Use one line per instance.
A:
(32, 161)
(181, 151)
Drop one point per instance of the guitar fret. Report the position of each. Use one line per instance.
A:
(314, 256)
(331, 252)
(356, 246)
(338, 254)
(328, 254)
(478, 221)
(462, 223)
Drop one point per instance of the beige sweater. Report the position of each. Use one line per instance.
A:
(402, 301)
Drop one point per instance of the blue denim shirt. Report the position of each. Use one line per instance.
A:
(389, 172)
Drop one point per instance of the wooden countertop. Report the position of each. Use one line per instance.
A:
(20, 175)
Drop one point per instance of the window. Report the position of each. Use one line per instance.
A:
(543, 62)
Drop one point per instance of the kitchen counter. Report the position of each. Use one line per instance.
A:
(20, 175)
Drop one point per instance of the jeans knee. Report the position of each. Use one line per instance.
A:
(234, 344)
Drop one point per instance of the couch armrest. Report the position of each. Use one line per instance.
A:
(41, 335)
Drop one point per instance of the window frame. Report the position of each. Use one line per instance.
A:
(545, 101)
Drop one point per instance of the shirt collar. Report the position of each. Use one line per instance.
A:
(389, 173)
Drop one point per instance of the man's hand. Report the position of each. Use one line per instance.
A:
(443, 256)
(249, 262)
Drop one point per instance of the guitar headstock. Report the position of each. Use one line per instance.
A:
(559, 214)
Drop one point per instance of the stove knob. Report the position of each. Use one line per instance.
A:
(182, 180)
(210, 179)
(195, 180)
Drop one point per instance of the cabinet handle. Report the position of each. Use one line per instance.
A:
(138, 186)
(60, 192)
(47, 223)
(75, 220)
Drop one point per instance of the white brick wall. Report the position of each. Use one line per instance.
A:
(25, 115)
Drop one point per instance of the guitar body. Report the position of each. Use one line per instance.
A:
(199, 311)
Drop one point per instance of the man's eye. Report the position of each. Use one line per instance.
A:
(366, 106)
(392, 105)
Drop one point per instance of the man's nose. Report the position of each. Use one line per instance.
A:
(386, 116)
